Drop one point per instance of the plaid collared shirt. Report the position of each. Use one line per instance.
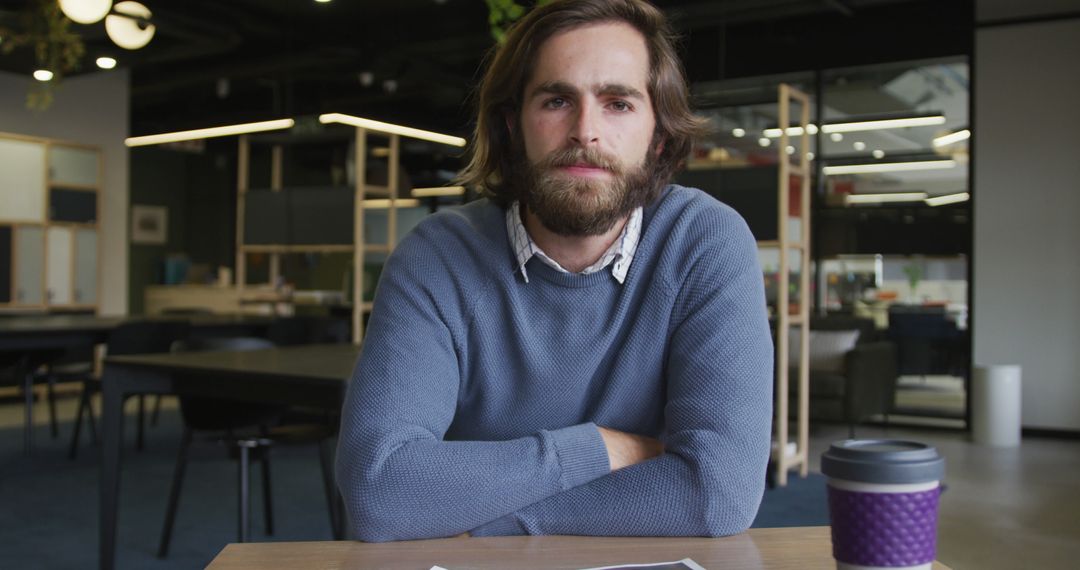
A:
(619, 255)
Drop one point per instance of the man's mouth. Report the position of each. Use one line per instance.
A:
(585, 169)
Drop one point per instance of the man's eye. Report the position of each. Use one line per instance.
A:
(556, 103)
(621, 106)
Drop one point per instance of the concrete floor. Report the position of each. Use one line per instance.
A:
(1004, 509)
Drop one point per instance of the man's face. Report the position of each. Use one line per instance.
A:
(586, 128)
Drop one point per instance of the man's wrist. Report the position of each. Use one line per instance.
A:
(626, 449)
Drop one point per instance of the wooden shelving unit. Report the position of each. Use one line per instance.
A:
(792, 247)
(385, 198)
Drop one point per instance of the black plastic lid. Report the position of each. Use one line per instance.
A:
(886, 461)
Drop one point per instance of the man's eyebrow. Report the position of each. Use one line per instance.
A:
(619, 90)
(564, 88)
(554, 88)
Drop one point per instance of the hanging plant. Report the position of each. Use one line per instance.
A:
(502, 13)
(47, 31)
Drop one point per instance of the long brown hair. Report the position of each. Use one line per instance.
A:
(491, 157)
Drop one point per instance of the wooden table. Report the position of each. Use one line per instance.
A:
(309, 375)
(30, 335)
(796, 548)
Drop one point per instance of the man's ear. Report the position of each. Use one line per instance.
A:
(660, 146)
(510, 119)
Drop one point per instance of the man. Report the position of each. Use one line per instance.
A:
(585, 351)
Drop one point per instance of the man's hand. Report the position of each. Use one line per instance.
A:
(626, 449)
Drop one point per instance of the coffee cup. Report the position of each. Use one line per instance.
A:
(883, 503)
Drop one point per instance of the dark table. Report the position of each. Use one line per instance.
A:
(24, 338)
(308, 375)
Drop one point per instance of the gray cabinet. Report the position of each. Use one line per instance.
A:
(73, 166)
(58, 256)
(22, 181)
(29, 265)
(86, 267)
(49, 223)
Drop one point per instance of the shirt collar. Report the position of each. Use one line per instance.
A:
(618, 255)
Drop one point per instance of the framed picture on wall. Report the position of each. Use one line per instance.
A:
(149, 224)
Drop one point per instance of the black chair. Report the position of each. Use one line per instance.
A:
(927, 341)
(72, 365)
(21, 369)
(249, 430)
(134, 337)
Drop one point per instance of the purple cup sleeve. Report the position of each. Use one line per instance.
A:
(891, 530)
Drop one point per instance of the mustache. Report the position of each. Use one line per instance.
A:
(576, 156)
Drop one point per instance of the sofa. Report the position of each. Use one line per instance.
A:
(853, 370)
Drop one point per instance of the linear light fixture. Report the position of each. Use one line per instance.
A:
(945, 140)
(791, 131)
(391, 129)
(873, 125)
(884, 124)
(383, 203)
(210, 132)
(438, 191)
(948, 199)
(887, 197)
(888, 167)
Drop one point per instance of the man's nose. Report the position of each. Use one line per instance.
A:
(585, 131)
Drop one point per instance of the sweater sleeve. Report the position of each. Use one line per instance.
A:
(710, 478)
(399, 479)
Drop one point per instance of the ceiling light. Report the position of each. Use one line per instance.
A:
(834, 129)
(385, 203)
(322, 1)
(790, 150)
(888, 167)
(128, 26)
(888, 197)
(43, 75)
(106, 62)
(884, 124)
(85, 11)
(388, 128)
(810, 156)
(878, 153)
(951, 138)
(948, 199)
(738, 133)
(792, 131)
(210, 132)
(859, 145)
(438, 191)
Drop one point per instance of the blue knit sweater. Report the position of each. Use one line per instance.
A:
(474, 404)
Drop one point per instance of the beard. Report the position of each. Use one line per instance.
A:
(578, 206)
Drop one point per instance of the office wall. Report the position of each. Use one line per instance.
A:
(199, 192)
(1027, 212)
(991, 10)
(89, 109)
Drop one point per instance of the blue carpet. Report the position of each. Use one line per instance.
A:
(49, 513)
(803, 502)
(48, 517)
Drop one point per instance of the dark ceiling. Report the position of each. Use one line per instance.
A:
(221, 61)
